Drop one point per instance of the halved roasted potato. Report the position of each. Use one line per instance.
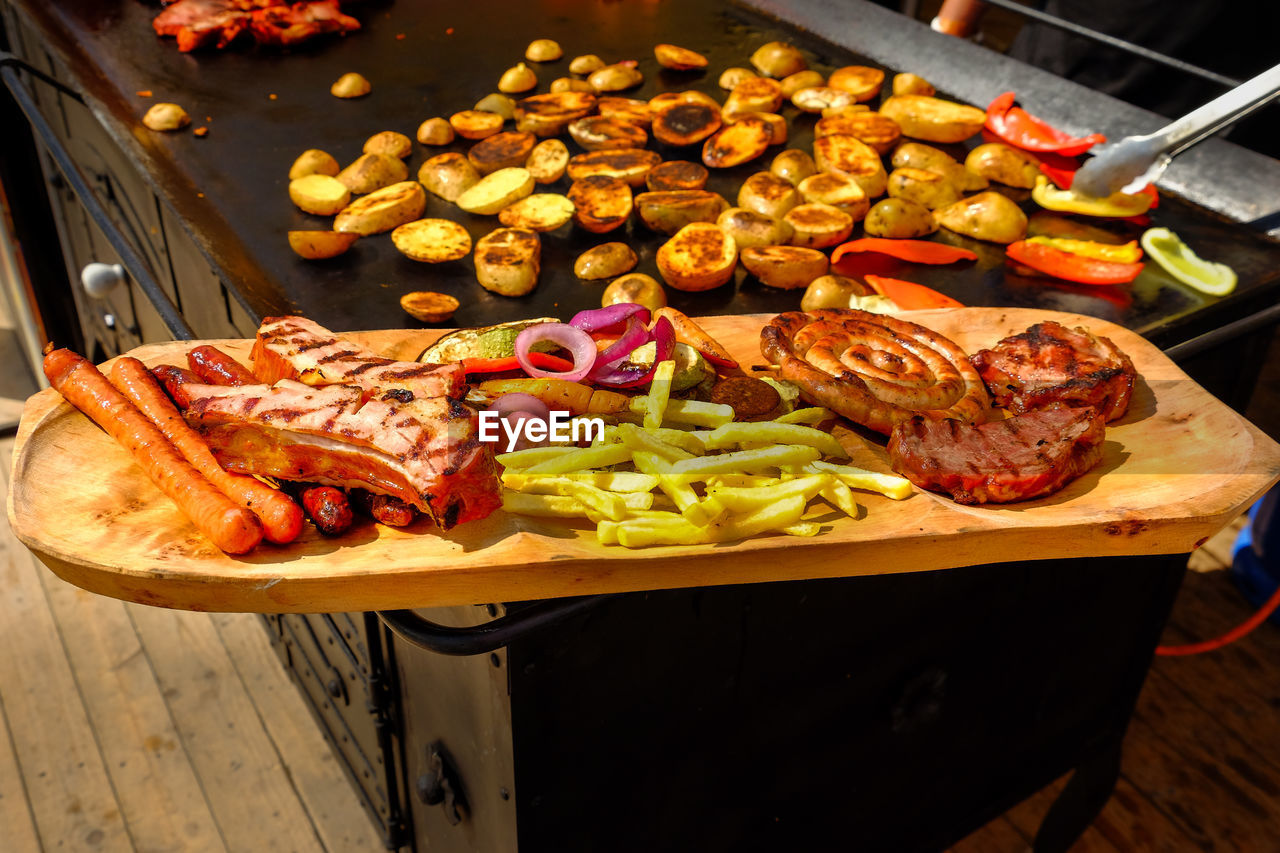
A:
(585, 64)
(429, 306)
(518, 78)
(550, 114)
(688, 96)
(677, 175)
(502, 151)
(389, 142)
(749, 228)
(917, 155)
(601, 203)
(678, 58)
(933, 119)
(754, 95)
(636, 287)
(436, 131)
(765, 192)
(685, 122)
(597, 133)
(318, 245)
(476, 124)
(382, 210)
(931, 189)
(912, 84)
(784, 267)
(832, 291)
(1004, 164)
(543, 50)
(880, 132)
(858, 80)
(817, 99)
(731, 77)
(321, 195)
(817, 226)
(569, 84)
(629, 165)
(838, 190)
(793, 165)
(448, 175)
(615, 78)
(373, 172)
(313, 161)
(631, 110)
(778, 59)
(843, 153)
(806, 79)
(432, 241)
(670, 211)
(605, 261)
(899, 219)
(508, 261)
(699, 257)
(538, 212)
(548, 161)
(986, 216)
(497, 102)
(497, 190)
(777, 124)
(737, 143)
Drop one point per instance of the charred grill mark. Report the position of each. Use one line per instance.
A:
(318, 343)
(458, 409)
(400, 395)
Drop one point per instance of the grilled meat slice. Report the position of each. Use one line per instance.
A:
(1025, 456)
(423, 451)
(297, 348)
(284, 25)
(196, 23)
(1049, 363)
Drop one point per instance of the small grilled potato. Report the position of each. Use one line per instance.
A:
(605, 261)
(585, 64)
(754, 95)
(448, 175)
(832, 291)
(917, 155)
(429, 306)
(817, 226)
(986, 216)
(688, 96)
(731, 77)
(930, 189)
(389, 142)
(615, 78)
(858, 80)
(685, 122)
(678, 58)
(765, 192)
(518, 78)
(436, 131)
(632, 110)
(166, 117)
(382, 210)
(547, 161)
(550, 114)
(598, 133)
(751, 229)
(496, 102)
(844, 153)
(912, 84)
(476, 124)
(313, 161)
(1003, 164)
(817, 99)
(638, 288)
(601, 203)
(318, 245)
(629, 165)
(699, 257)
(677, 175)
(321, 195)
(777, 124)
(501, 151)
(793, 165)
(899, 219)
(538, 212)
(778, 59)
(933, 119)
(670, 211)
(497, 190)
(373, 172)
(508, 261)
(350, 85)
(432, 241)
(784, 267)
(737, 143)
(569, 84)
(838, 190)
(543, 50)
(880, 132)
(807, 79)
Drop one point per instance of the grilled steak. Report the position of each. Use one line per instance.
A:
(1025, 456)
(1050, 363)
(196, 23)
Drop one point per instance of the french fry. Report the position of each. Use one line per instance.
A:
(772, 432)
(693, 412)
(706, 511)
(742, 480)
(811, 415)
(531, 456)
(545, 506)
(750, 499)
(582, 459)
(889, 485)
(607, 532)
(611, 505)
(802, 528)
(610, 481)
(644, 440)
(840, 496)
(642, 532)
(659, 394)
(747, 460)
(692, 441)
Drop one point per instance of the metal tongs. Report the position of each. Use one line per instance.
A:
(1135, 161)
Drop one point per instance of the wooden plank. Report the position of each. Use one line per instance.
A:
(15, 810)
(1177, 468)
(250, 796)
(323, 788)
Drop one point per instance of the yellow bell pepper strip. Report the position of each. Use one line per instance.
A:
(1064, 177)
(1177, 259)
(1069, 201)
(910, 296)
(1054, 262)
(916, 251)
(1125, 253)
(1019, 128)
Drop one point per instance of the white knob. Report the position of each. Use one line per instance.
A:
(100, 279)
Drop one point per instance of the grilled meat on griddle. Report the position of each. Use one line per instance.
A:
(196, 23)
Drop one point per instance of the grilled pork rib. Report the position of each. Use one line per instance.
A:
(1025, 456)
(1049, 363)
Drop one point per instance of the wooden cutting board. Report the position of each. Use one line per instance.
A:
(1177, 468)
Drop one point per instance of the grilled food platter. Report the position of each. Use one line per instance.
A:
(1175, 469)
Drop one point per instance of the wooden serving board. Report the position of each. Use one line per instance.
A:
(1177, 468)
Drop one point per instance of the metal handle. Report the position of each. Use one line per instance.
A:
(100, 279)
(445, 640)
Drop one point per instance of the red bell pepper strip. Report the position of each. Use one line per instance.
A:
(689, 332)
(917, 251)
(1063, 178)
(910, 296)
(1019, 128)
(541, 360)
(1064, 265)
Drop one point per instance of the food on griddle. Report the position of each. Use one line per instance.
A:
(432, 241)
(448, 175)
(1025, 456)
(832, 291)
(820, 99)
(837, 190)
(543, 50)
(818, 226)
(631, 110)
(700, 256)
(605, 261)
(615, 78)
(880, 132)
(601, 203)
(778, 59)
(351, 85)
(793, 165)
(502, 151)
(508, 261)
(382, 210)
(917, 155)
(496, 190)
(678, 58)
(685, 122)
(313, 161)
(899, 218)
(986, 216)
(550, 114)
(165, 117)
(843, 153)
(754, 95)
(740, 142)
(911, 84)
(806, 79)
(784, 267)
(750, 229)
(371, 172)
(859, 80)
(629, 165)
(875, 370)
(766, 193)
(389, 142)
(731, 77)
(196, 23)
(777, 124)
(496, 102)
(933, 119)
(538, 212)
(548, 161)
(677, 175)
(585, 64)
(929, 189)
(476, 124)
(517, 79)
(436, 131)
(320, 195)
(1050, 363)
(319, 245)
(1003, 164)
(601, 133)
(672, 210)
(569, 84)
(637, 288)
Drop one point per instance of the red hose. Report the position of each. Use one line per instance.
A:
(1231, 636)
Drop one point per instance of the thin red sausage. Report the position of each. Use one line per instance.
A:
(281, 517)
(215, 367)
(328, 508)
(233, 529)
(175, 380)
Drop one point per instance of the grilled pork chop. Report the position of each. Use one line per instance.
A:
(1049, 363)
(1025, 456)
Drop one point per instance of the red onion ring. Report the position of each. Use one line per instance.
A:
(616, 375)
(576, 341)
(609, 318)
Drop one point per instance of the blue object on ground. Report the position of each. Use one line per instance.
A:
(1255, 564)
